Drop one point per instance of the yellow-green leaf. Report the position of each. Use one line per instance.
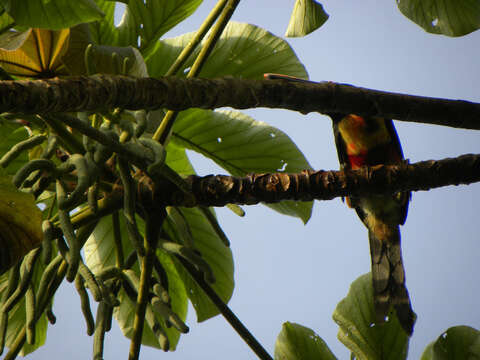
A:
(20, 224)
(34, 53)
(297, 342)
(358, 331)
(458, 342)
(307, 16)
(447, 17)
(51, 14)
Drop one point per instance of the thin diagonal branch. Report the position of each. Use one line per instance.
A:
(101, 92)
(228, 314)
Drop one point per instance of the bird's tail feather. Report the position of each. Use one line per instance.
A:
(388, 276)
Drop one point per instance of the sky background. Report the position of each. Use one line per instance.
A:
(287, 271)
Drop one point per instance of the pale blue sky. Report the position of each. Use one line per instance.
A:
(286, 271)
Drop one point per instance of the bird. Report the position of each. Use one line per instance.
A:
(371, 141)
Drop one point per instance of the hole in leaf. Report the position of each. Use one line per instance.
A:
(435, 22)
(284, 165)
(219, 139)
(119, 12)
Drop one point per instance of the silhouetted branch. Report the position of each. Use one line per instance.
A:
(219, 190)
(100, 92)
(325, 185)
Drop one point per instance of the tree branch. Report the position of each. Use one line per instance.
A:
(219, 190)
(101, 92)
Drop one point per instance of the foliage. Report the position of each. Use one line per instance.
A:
(447, 17)
(135, 252)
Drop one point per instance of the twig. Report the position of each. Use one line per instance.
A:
(153, 223)
(232, 319)
(163, 131)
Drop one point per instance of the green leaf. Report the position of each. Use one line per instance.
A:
(242, 145)
(20, 223)
(51, 14)
(159, 16)
(216, 254)
(355, 315)
(207, 241)
(148, 20)
(100, 253)
(105, 62)
(458, 342)
(243, 50)
(177, 159)
(307, 16)
(17, 316)
(10, 134)
(104, 31)
(447, 17)
(6, 22)
(297, 342)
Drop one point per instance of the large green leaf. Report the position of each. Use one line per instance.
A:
(20, 223)
(106, 63)
(103, 59)
(207, 241)
(307, 16)
(297, 342)
(215, 253)
(242, 145)
(355, 315)
(104, 31)
(148, 20)
(447, 17)
(159, 16)
(52, 14)
(100, 253)
(243, 50)
(17, 317)
(177, 159)
(458, 342)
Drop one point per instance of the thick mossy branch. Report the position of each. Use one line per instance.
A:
(102, 92)
(219, 190)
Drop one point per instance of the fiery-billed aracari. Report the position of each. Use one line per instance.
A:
(369, 141)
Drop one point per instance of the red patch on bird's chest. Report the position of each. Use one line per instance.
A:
(357, 161)
(383, 154)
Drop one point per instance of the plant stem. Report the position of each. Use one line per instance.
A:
(232, 319)
(202, 30)
(117, 238)
(68, 140)
(163, 131)
(153, 225)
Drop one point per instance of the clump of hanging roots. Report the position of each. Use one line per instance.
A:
(76, 179)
